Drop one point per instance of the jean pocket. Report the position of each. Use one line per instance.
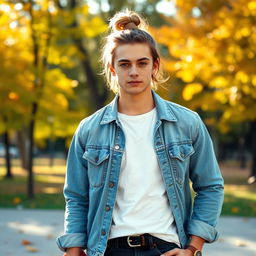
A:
(163, 248)
(97, 165)
(180, 159)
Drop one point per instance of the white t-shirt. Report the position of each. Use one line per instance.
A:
(141, 205)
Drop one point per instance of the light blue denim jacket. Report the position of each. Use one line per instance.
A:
(184, 151)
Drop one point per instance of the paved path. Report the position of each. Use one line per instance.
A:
(40, 227)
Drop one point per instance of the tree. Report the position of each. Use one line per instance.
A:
(32, 83)
(212, 51)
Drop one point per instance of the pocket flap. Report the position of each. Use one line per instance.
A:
(181, 152)
(96, 156)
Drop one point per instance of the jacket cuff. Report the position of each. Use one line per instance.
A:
(71, 240)
(203, 230)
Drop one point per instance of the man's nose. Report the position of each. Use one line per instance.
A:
(134, 70)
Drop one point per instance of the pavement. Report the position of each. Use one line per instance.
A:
(26, 232)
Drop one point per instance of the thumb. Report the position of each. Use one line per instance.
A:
(171, 253)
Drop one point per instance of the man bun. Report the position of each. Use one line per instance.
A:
(126, 20)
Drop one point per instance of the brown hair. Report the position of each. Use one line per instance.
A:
(128, 27)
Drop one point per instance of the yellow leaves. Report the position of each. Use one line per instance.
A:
(220, 96)
(186, 75)
(67, 17)
(245, 31)
(13, 96)
(219, 82)
(4, 18)
(176, 50)
(221, 32)
(234, 96)
(227, 114)
(59, 81)
(54, 56)
(246, 89)
(234, 52)
(190, 90)
(242, 32)
(252, 7)
(61, 100)
(254, 80)
(218, 51)
(242, 77)
(93, 27)
(164, 34)
(82, 9)
(224, 127)
(187, 5)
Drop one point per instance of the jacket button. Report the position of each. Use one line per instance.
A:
(117, 147)
(107, 208)
(111, 184)
(103, 232)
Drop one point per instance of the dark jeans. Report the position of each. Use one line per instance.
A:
(138, 251)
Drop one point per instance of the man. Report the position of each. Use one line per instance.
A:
(127, 186)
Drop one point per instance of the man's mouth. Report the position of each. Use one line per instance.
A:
(134, 82)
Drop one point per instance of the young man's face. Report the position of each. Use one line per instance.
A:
(133, 68)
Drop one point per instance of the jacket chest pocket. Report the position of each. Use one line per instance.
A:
(180, 159)
(97, 161)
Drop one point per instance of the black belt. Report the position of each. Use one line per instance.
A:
(144, 241)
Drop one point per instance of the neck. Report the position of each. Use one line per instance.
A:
(135, 104)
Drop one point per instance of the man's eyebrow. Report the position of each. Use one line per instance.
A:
(141, 59)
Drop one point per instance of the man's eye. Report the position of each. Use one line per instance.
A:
(143, 63)
(124, 65)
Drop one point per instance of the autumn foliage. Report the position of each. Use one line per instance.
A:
(212, 50)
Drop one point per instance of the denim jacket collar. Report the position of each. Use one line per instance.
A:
(163, 109)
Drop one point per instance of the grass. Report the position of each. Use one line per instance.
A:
(48, 183)
(41, 201)
(240, 198)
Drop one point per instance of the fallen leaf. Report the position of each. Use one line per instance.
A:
(235, 209)
(31, 249)
(16, 200)
(25, 242)
(50, 236)
(241, 244)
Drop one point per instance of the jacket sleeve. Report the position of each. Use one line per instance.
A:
(76, 196)
(208, 184)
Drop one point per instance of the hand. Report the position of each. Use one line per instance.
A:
(178, 252)
(75, 252)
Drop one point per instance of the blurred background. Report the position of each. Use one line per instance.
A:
(50, 80)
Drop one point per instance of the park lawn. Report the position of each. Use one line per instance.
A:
(240, 198)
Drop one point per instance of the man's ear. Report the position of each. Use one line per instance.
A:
(155, 68)
(112, 70)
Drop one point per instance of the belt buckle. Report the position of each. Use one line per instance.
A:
(129, 241)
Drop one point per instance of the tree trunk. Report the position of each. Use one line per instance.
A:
(51, 152)
(242, 152)
(253, 170)
(97, 99)
(7, 156)
(30, 151)
(22, 139)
